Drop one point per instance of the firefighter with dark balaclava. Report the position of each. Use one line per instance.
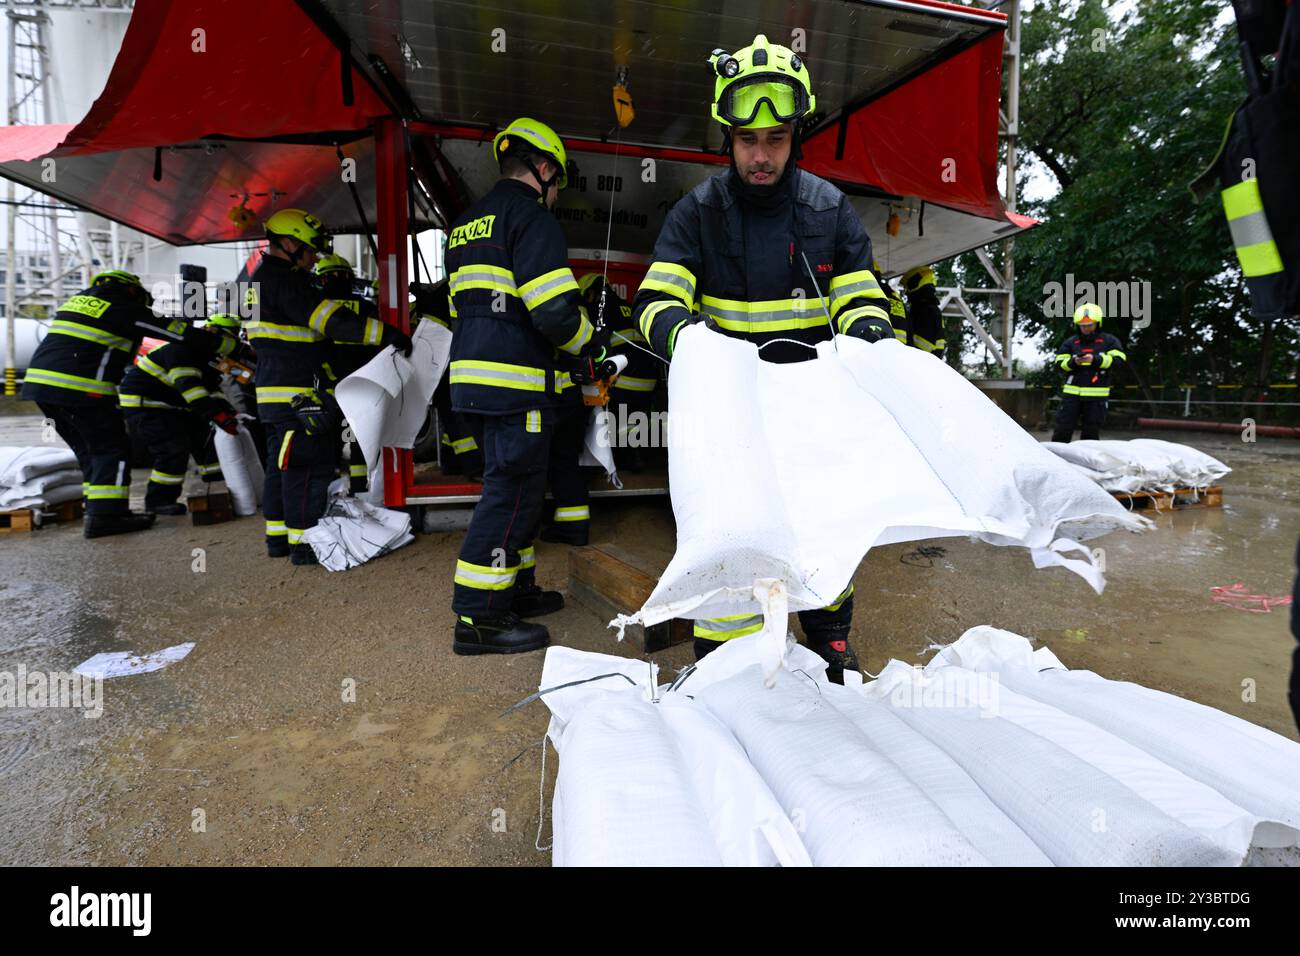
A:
(925, 318)
(73, 377)
(516, 309)
(769, 253)
(293, 323)
(1087, 358)
(336, 279)
(171, 399)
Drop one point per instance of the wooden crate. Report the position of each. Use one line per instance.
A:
(609, 581)
(29, 519)
(1176, 500)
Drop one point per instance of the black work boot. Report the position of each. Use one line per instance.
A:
(171, 508)
(559, 534)
(532, 601)
(836, 652)
(500, 634)
(101, 526)
(278, 548)
(302, 554)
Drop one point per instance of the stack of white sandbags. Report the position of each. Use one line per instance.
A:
(991, 754)
(37, 477)
(1141, 464)
(354, 531)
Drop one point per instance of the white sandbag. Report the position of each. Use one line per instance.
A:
(746, 824)
(54, 496)
(598, 446)
(387, 399)
(241, 468)
(40, 486)
(23, 463)
(1194, 467)
(995, 835)
(767, 463)
(1094, 456)
(851, 804)
(1250, 766)
(1188, 801)
(1076, 813)
(354, 531)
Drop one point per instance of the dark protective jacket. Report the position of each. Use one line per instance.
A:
(345, 356)
(91, 341)
(514, 303)
(739, 266)
(175, 375)
(292, 325)
(642, 373)
(923, 311)
(1089, 381)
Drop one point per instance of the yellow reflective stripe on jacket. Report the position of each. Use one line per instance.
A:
(847, 318)
(1251, 235)
(653, 309)
(851, 285)
(88, 305)
(940, 345)
(581, 337)
(41, 376)
(146, 364)
(500, 374)
(775, 315)
(630, 384)
(484, 578)
(1108, 358)
(374, 333)
(921, 342)
(492, 278)
(281, 333)
(320, 315)
(670, 278)
(79, 331)
(1087, 391)
(180, 372)
(1063, 360)
(278, 394)
(125, 400)
(547, 286)
(728, 628)
(195, 393)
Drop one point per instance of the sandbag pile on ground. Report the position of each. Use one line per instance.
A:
(1140, 464)
(992, 754)
(38, 477)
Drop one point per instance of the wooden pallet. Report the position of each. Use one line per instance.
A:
(1176, 500)
(610, 581)
(29, 519)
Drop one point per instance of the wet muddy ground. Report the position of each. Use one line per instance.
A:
(250, 751)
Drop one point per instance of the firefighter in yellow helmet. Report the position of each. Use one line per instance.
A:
(801, 272)
(1088, 357)
(519, 330)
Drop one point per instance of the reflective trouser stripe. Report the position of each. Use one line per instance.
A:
(484, 578)
(839, 601)
(461, 445)
(99, 492)
(209, 469)
(163, 478)
(728, 628)
(357, 471)
(576, 513)
(1086, 391)
(533, 422)
(275, 529)
(286, 445)
(295, 535)
(527, 558)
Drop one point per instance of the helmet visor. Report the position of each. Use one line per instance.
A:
(741, 103)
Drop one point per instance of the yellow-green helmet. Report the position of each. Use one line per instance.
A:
(331, 264)
(1088, 312)
(763, 85)
(122, 277)
(530, 135)
(299, 224)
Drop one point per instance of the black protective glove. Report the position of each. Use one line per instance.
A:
(317, 412)
(220, 412)
(402, 342)
(872, 330)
